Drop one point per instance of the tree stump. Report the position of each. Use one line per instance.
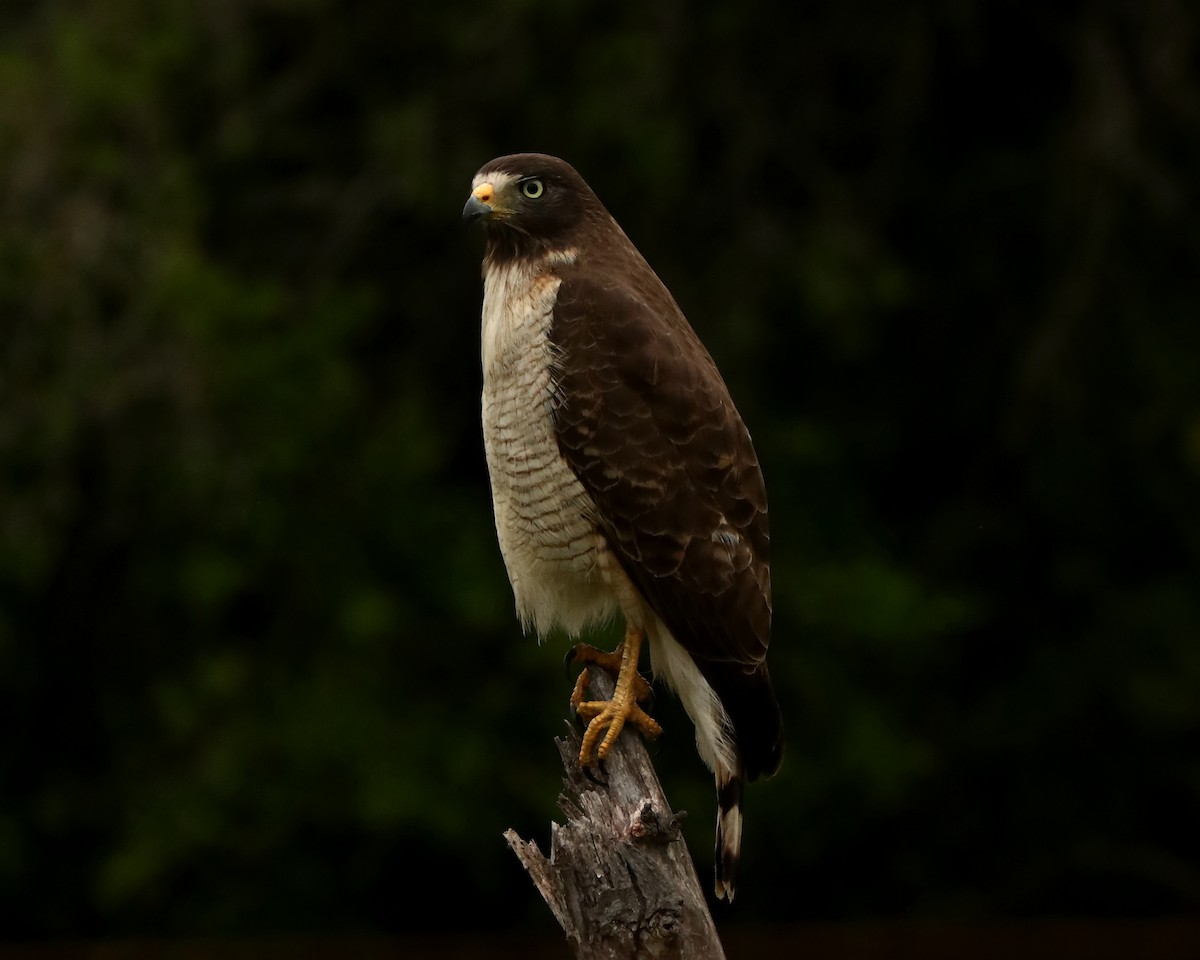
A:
(619, 878)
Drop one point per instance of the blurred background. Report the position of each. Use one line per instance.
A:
(259, 664)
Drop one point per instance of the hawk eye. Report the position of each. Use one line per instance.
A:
(532, 188)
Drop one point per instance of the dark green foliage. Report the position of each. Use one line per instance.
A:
(258, 653)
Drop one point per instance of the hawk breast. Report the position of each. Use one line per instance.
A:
(544, 517)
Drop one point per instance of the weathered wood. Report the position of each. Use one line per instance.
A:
(619, 879)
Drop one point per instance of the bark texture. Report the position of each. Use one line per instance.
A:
(619, 878)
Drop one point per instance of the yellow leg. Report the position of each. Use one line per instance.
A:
(607, 717)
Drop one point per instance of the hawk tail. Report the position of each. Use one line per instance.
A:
(729, 834)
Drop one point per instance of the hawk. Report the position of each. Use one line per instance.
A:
(623, 479)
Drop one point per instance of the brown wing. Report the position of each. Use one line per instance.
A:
(647, 424)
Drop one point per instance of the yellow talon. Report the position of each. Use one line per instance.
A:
(608, 717)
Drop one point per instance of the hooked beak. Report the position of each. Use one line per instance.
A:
(479, 204)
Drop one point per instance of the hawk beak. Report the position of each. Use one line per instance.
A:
(479, 204)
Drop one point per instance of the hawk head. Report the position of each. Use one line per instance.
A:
(530, 203)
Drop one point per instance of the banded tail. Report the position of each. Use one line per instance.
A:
(729, 835)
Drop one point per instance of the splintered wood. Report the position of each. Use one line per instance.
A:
(619, 879)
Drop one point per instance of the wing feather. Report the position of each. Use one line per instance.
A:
(647, 424)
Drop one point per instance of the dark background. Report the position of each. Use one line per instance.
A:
(258, 656)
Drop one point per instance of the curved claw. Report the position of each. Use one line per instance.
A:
(568, 660)
(599, 766)
(649, 699)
